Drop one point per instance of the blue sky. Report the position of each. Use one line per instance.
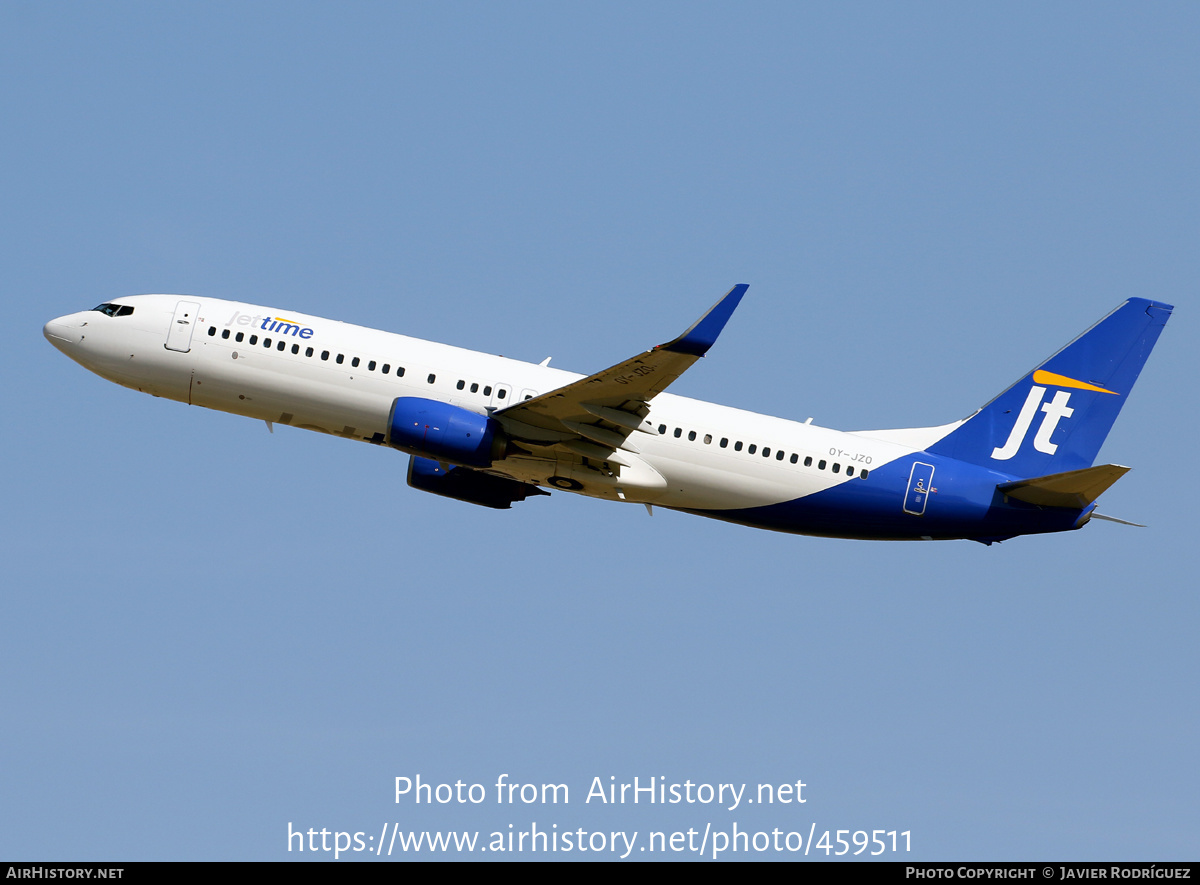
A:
(213, 631)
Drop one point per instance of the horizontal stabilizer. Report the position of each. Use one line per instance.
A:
(1096, 515)
(1075, 488)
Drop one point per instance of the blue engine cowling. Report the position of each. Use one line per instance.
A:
(444, 432)
(464, 484)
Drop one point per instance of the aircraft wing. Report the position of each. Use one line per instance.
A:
(594, 415)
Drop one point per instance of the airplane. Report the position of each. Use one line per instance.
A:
(493, 431)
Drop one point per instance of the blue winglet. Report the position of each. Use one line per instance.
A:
(703, 333)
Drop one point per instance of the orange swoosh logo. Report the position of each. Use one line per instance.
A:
(1043, 377)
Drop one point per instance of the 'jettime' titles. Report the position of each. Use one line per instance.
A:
(277, 325)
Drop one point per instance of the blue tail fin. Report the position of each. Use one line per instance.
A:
(1056, 418)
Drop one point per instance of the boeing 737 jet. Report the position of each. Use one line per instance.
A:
(495, 431)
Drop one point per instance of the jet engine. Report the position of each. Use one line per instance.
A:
(443, 432)
(464, 484)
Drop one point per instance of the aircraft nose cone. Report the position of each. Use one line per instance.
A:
(59, 333)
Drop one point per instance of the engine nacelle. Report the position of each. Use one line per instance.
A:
(444, 432)
(464, 484)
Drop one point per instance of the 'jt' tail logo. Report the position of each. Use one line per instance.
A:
(1055, 411)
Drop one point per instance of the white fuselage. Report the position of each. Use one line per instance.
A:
(330, 376)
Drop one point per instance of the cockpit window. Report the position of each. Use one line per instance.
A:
(115, 310)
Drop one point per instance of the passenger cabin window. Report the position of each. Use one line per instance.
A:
(341, 358)
(212, 331)
(239, 337)
(432, 377)
(737, 446)
(752, 448)
(224, 333)
(461, 384)
(354, 362)
(386, 368)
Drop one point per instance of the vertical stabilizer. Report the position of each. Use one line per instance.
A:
(1056, 418)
